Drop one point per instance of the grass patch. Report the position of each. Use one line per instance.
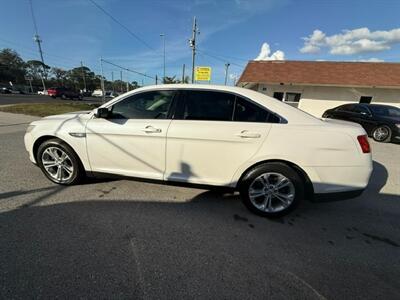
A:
(46, 109)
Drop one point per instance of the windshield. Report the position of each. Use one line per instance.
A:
(385, 110)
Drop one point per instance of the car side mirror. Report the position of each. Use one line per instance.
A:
(102, 112)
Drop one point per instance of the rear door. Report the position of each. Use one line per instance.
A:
(363, 116)
(212, 134)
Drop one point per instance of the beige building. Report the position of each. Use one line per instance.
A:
(317, 86)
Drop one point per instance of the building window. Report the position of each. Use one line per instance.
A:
(365, 99)
(292, 97)
(278, 95)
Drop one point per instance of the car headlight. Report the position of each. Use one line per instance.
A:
(30, 128)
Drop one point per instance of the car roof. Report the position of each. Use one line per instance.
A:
(286, 111)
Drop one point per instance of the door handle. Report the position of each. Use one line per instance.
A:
(248, 134)
(151, 129)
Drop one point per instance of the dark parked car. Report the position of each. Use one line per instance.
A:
(63, 93)
(5, 90)
(381, 122)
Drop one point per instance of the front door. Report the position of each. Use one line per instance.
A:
(212, 135)
(131, 141)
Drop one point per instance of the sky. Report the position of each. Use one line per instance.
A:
(231, 31)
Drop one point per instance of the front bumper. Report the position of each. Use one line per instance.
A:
(28, 141)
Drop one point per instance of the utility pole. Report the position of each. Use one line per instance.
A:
(226, 71)
(103, 92)
(37, 39)
(120, 73)
(112, 80)
(156, 79)
(192, 43)
(183, 73)
(163, 36)
(83, 75)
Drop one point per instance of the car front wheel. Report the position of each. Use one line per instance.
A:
(59, 163)
(271, 189)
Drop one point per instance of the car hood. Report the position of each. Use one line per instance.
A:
(78, 117)
(69, 115)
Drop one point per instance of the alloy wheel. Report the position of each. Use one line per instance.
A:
(271, 192)
(57, 164)
(381, 133)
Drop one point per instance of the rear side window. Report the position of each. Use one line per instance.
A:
(246, 111)
(208, 105)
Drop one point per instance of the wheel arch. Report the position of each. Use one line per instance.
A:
(309, 189)
(44, 138)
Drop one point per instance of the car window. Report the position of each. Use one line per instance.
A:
(246, 111)
(150, 105)
(346, 108)
(208, 105)
(385, 110)
(360, 109)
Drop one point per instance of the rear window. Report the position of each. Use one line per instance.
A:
(221, 106)
(208, 105)
(246, 111)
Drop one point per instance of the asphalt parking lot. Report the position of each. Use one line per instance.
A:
(130, 239)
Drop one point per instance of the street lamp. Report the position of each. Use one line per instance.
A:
(226, 71)
(163, 36)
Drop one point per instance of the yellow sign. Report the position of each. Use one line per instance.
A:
(203, 74)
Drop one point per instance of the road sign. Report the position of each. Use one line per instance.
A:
(203, 74)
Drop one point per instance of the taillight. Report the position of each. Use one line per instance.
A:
(363, 141)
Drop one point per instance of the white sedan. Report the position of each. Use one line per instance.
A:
(274, 154)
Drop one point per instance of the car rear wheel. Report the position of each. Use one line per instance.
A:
(59, 163)
(271, 189)
(382, 134)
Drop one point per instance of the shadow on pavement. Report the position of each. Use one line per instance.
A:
(209, 247)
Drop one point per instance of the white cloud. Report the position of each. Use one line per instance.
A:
(349, 42)
(372, 59)
(266, 51)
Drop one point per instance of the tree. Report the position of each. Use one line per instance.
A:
(185, 80)
(35, 68)
(169, 80)
(12, 67)
(60, 75)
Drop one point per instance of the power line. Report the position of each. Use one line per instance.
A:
(227, 56)
(126, 69)
(219, 58)
(122, 25)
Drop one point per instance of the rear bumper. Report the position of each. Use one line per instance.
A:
(337, 180)
(338, 196)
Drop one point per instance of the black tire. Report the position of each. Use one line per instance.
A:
(54, 97)
(73, 160)
(63, 97)
(273, 168)
(382, 138)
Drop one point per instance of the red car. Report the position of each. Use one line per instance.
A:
(63, 93)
